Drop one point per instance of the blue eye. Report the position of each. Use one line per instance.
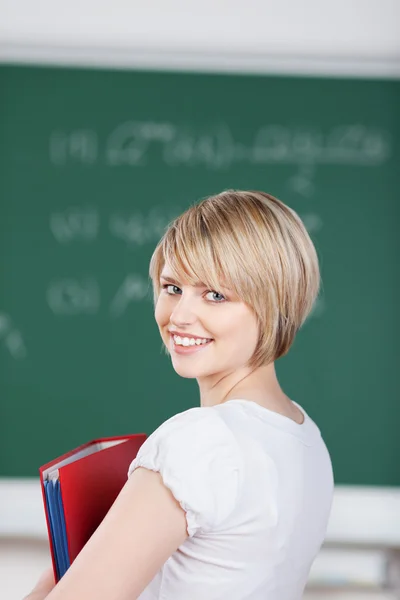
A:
(217, 300)
(173, 290)
(166, 287)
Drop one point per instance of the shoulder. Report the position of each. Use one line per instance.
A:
(193, 435)
(194, 429)
(199, 461)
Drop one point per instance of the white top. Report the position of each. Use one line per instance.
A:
(257, 490)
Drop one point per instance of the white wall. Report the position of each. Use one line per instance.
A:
(22, 560)
(341, 36)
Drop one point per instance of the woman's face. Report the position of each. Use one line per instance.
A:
(226, 326)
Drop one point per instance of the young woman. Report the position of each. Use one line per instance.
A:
(230, 500)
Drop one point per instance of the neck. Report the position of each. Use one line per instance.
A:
(256, 384)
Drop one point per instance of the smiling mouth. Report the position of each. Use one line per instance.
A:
(187, 345)
(187, 340)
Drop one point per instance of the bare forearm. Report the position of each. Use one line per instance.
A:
(43, 586)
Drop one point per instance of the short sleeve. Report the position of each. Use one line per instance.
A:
(199, 460)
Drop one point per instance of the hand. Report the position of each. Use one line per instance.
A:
(43, 587)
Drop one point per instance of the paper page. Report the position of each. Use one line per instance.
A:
(52, 472)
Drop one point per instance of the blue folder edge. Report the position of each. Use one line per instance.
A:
(62, 525)
(57, 526)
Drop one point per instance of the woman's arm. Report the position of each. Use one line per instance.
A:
(143, 528)
(43, 586)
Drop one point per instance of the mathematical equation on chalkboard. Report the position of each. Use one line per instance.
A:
(82, 295)
(74, 296)
(135, 229)
(74, 225)
(137, 143)
(83, 223)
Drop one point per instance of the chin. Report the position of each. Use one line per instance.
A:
(186, 371)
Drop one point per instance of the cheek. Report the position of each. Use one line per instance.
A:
(252, 331)
(162, 313)
(243, 329)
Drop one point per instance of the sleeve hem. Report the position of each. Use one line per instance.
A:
(192, 524)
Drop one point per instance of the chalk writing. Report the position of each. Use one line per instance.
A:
(302, 181)
(73, 296)
(129, 142)
(80, 146)
(318, 309)
(75, 224)
(82, 224)
(138, 143)
(312, 222)
(138, 228)
(135, 229)
(11, 337)
(134, 288)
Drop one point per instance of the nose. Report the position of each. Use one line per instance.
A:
(184, 312)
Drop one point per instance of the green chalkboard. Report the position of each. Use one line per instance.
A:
(95, 163)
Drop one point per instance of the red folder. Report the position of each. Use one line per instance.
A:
(88, 479)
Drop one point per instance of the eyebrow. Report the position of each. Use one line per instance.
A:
(175, 282)
(197, 285)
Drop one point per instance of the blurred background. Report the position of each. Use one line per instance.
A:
(114, 117)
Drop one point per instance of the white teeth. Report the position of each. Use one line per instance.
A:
(185, 341)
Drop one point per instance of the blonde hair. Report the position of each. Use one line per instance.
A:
(254, 244)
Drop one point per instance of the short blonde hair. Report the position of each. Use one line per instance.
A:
(255, 245)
